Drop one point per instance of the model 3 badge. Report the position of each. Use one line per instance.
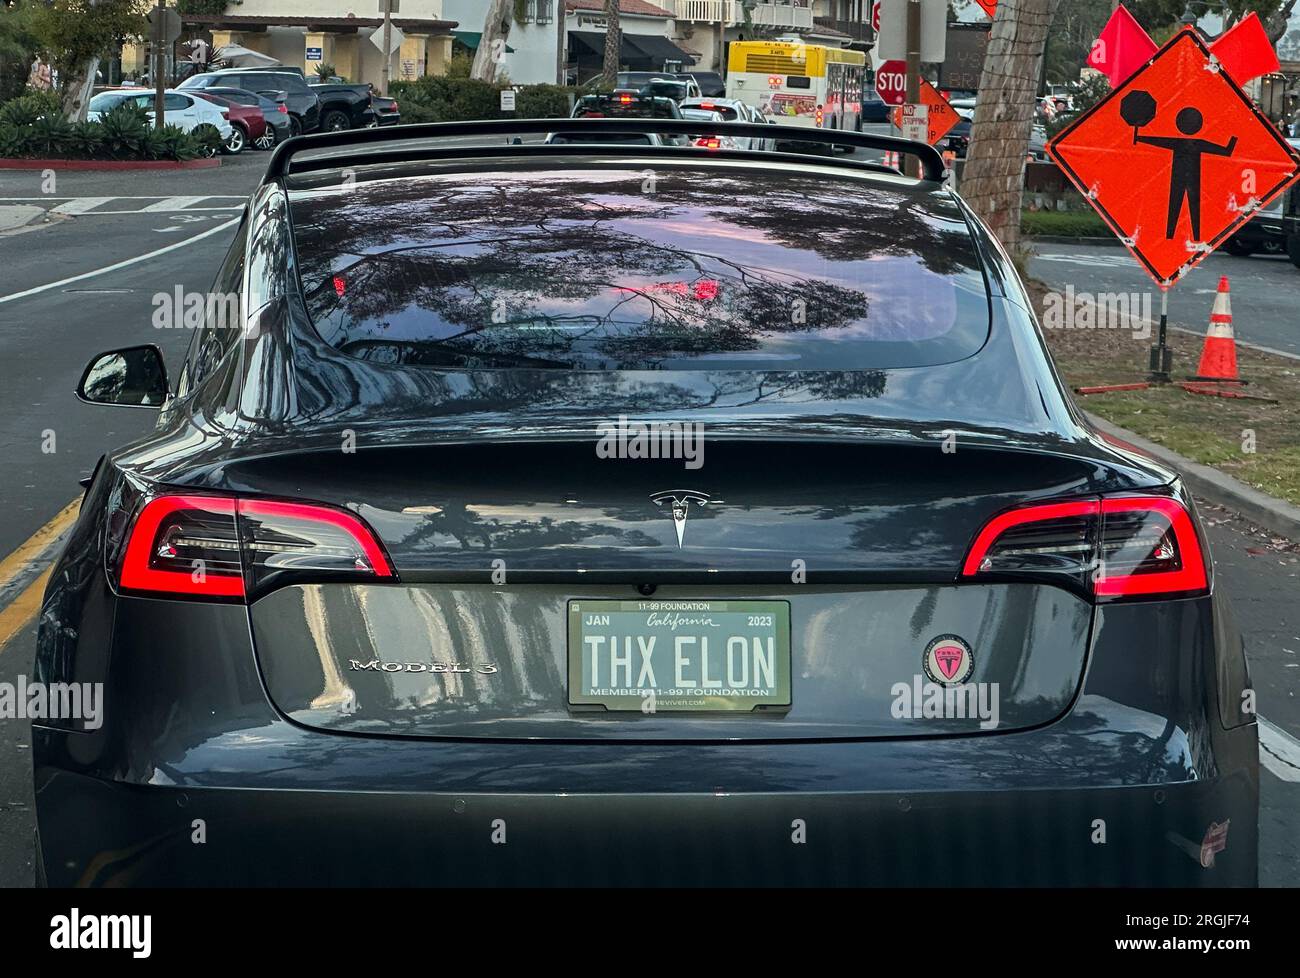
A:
(681, 500)
(374, 665)
(948, 660)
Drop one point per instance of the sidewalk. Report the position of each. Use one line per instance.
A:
(14, 216)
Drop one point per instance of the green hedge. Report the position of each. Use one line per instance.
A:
(1066, 224)
(444, 99)
(31, 127)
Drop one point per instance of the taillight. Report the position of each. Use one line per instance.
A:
(709, 142)
(1113, 547)
(819, 117)
(185, 545)
(217, 548)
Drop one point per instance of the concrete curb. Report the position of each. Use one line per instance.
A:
(1260, 508)
(6, 164)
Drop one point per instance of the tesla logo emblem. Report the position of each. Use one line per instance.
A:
(948, 660)
(681, 500)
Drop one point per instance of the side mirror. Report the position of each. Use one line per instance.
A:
(133, 376)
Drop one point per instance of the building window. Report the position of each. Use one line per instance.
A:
(545, 10)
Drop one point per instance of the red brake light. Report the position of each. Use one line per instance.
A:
(281, 108)
(214, 547)
(1115, 547)
(185, 545)
(709, 142)
(340, 286)
(625, 99)
(706, 105)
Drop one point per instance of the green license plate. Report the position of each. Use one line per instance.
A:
(679, 656)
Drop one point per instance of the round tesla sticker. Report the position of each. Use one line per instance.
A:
(948, 660)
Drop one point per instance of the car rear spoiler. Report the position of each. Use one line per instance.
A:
(363, 141)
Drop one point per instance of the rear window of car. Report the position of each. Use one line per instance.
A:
(718, 268)
(626, 106)
(106, 101)
(728, 113)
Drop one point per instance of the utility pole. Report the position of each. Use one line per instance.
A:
(159, 66)
(387, 7)
(914, 61)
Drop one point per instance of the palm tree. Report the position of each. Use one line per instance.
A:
(993, 178)
(613, 44)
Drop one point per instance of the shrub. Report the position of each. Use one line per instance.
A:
(206, 141)
(49, 137)
(448, 99)
(27, 108)
(171, 143)
(543, 101)
(123, 133)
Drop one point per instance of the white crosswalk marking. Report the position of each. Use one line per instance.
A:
(79, 205)
(118, 206)
(170, 204)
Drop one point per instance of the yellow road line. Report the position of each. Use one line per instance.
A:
(23, 608)
(17, 561)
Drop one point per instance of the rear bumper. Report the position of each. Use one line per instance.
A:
(285, 806)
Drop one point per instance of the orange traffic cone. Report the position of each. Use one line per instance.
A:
(1219, 354)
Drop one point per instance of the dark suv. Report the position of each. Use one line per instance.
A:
(303, 103)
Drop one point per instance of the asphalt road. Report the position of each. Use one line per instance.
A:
(50, 327)
(1265, 290)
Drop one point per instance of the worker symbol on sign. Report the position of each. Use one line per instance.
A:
(1138, 108)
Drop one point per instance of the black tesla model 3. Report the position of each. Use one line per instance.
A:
(629, 515)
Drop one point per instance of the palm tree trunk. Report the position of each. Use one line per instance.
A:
(613, 44)
(993, 179)
(492, 45)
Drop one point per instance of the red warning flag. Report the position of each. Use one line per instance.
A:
(1245, 52)
(1122, 48)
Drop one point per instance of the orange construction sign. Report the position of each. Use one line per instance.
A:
(941, 118)
(1176, 158)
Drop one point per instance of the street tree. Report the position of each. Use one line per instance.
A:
(993, 178)
(18, 46)
(75, 34)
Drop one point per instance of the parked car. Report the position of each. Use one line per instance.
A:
(319, 652)
(302, 102)
(386, 109)
(247, 123)
(345, 106)
(1262, 234)
(274, 111)
(182, 109)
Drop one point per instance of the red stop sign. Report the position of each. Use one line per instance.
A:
(891, 82)
(875, 17)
